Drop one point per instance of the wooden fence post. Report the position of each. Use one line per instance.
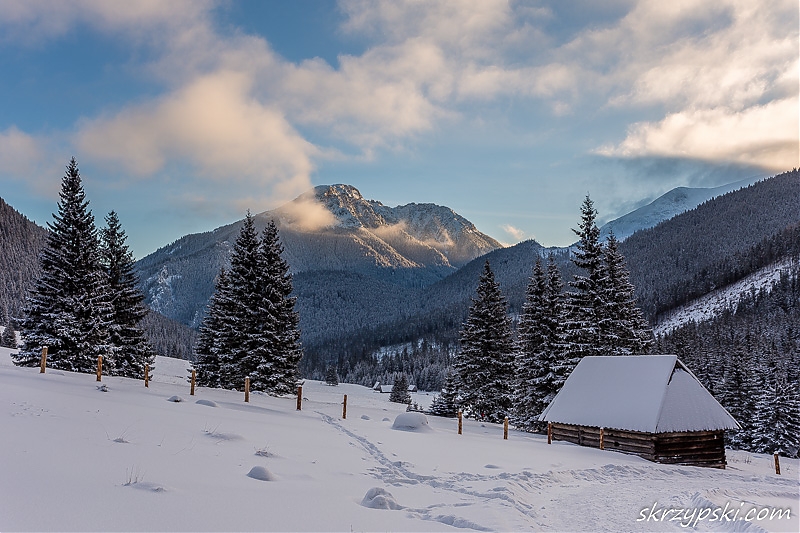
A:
(505, 429)
(44, 360)
(299, 397)
(247, 389)
(549, 433)
(194, 377)
(777, 464)
(602, 439)
(147, 376)
(459, 422)
(344, 408)
(99, 367)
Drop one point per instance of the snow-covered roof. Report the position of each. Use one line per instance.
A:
(649, 393)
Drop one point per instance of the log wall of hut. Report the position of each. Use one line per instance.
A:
(698, 448)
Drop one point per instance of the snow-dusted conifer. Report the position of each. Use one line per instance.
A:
(400, 392)
(213, 334)
(68, 310)
(446, 403)
(331, 377)
(530, 341)
(776, 426)
(132, 351)
(278, 369)
(738, 395)
(623, 329)
(485, 360)
(9, 337)
(585, 304)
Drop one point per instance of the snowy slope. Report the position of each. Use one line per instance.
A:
(714, 303)
(665, 207)
(75, 458)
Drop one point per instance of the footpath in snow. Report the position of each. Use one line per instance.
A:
(74, 457)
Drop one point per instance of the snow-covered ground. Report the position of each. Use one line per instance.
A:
(73, 457)
(713, 304)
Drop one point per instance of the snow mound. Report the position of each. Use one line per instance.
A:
(364, 417)
(206, 402)
(411, 421)
(176, 399)
(260, 473)
(102, 388)
(378, 498)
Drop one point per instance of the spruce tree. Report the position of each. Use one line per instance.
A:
(400, 392)
(485, 360)
(132, 351)
(623, 329)
(776, 427)
(586, 303)
(531, 334)
(278, 369)
(212, 338)
(738, 395)
(68, 310)
(331, 377)
(446, 403)
(9, 337)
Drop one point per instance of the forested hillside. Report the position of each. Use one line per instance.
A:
(715, 244)
(20, 243)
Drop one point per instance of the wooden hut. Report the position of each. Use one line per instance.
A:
(648, 405)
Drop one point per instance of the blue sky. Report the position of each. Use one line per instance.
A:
(184, 114)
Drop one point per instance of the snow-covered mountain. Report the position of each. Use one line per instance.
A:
(665, 207)
(328, 229)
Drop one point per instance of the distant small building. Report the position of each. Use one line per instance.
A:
(648, 405)
(387, 389)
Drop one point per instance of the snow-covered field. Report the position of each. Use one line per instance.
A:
(73, 457)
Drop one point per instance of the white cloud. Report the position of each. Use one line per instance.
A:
(516, 233)
(765, 136)
(215, 125)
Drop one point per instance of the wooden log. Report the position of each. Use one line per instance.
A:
(43, 363)
(505, 428)
(194, 378)
(549, 433)
(460, 423)
(146, 376)
(777, 463)
(99, 367)
(247, 390)
(299, 397)
(344, 408)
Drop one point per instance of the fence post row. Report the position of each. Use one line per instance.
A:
(44, 360)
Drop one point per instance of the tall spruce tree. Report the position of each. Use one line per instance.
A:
(399, 393)
(531, 337)
(132, 351)
(586, 303)
(623, 329)
(776, 425)
(485, 361)
(278, 369)
(214, 329)
(69, 308)
(251, 328)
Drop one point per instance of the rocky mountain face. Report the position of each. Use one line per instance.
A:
(331, 229)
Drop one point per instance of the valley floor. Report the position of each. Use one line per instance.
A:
(73, 457)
